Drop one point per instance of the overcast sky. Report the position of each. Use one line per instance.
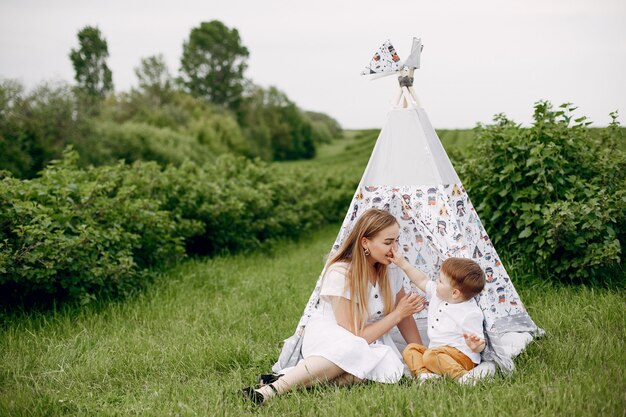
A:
(480, 57)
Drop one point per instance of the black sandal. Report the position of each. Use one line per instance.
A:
(255, 396)
(266, 379)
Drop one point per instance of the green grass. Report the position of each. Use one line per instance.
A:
(207, 327)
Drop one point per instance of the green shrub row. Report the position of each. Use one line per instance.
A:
(75, 234)
(554, 194)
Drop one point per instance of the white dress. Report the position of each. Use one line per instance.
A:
(379, 361)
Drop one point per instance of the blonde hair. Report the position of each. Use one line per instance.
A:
(371, 222)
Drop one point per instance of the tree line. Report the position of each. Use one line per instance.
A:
(209, 108)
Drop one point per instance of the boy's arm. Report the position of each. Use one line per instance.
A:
(473, 332)
(416, 276)
(475, 343)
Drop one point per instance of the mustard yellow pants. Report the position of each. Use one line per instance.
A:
(443, 360)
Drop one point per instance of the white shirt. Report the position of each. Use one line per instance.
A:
(448, 321)
(334, 284)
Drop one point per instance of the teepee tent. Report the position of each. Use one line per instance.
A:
(410, 175)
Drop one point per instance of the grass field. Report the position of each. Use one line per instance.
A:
(204, 329)
(207, 327)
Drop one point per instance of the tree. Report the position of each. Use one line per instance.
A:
(278, 128)
(89, 61)
(36, 126)
(213, 64)
(154, 78)
(14, 156)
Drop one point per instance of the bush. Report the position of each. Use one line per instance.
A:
(553, 194)
(214, 128)
(220, 134)
(132, 142)
(76, 234)
(325, 128)
(159, 124)
(242, 203)
(73, 233)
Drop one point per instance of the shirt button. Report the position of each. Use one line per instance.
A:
(375, 295)
(437, 319)
(446, 303)
(432, 327)
(378, 312)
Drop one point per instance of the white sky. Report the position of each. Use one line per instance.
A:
(480, 57)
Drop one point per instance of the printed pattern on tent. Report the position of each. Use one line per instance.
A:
(437, 223)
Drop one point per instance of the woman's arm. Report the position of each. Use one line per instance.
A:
(405, 307)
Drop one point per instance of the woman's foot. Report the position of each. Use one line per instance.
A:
(261, 395)
(253, 395)
(265, 379)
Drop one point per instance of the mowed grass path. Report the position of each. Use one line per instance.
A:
(206, 328)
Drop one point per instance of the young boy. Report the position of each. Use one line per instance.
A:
(455, 322)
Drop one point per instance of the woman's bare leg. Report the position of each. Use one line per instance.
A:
(308, 372)
(346, 379)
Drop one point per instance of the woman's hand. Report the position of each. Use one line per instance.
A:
(421, 302)
(409, 305)
(398, 259)
(475, 343)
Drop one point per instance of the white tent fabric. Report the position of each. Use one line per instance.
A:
(419, 159)
(409, 174)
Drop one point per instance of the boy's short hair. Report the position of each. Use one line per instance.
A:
(465, 275)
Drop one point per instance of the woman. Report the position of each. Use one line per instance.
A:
(346, 339)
